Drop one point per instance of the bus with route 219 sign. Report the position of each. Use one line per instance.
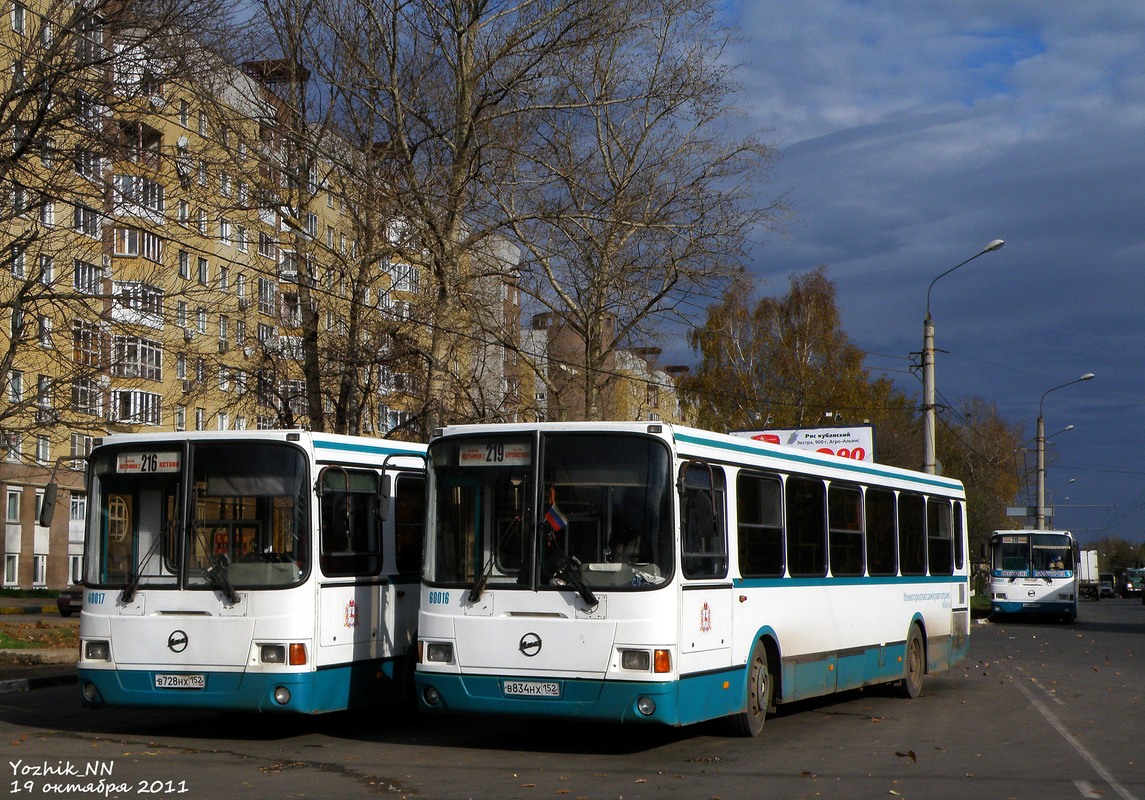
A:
(637, 572)
(251, 570)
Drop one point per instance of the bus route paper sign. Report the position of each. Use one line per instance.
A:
(856, 442)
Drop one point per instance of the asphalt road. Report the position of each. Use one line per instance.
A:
(1039, 710)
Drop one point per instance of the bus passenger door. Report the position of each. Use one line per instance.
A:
(406, 509)
(706, 591)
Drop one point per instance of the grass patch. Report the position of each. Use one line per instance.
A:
(38, 635)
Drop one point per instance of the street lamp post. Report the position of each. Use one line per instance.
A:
(1041, 445)
(928, 416)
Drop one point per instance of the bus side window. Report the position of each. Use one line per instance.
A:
(409, 523)
(912, 534)
(759, 504)
(703, 532)
(959, 537)
(881, 556)
(351, 525)
(938, 537)
(845, 529)
(806, 527)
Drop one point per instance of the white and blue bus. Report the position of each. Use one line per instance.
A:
(639, 572)
(1034, 572)
(251, 570)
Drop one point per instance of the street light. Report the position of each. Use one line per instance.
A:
(1041, 444)
(928, 421)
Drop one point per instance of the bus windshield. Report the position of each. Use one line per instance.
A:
(1031, 554)
(210, 515)
(587, 511)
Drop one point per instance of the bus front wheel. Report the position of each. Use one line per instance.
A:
(914, 665)
(749, 722)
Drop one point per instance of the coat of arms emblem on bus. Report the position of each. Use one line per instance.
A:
(705, 618)
(351, 615)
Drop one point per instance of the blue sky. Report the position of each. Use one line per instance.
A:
(911, 134)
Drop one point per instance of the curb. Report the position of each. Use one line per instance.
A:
(43, 682)
(29, 610)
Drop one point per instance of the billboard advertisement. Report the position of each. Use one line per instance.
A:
(856, 442)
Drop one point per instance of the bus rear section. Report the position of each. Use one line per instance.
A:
(1034, 573)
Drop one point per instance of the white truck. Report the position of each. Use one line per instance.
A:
(1088, 575)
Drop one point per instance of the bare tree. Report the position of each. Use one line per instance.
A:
(631, 193)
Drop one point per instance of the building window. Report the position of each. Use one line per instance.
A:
(265, 244)
(138, 407)
(13, 446)
(136, 357)
(87, 221)
(19, 262)
(87, 278)
(39, 570)
(80, 448)
(184, 265)
(11, 569)
(43, 392)
(141, 298)
(15, 386)
(44, 331)
(88, 163)
(200, 419)
(43, 449)
(13, 513)
(47, 270)
(78, 508)
(180, 418)
(86, 343)
(266, 296)
(204, 271)
(87, 397)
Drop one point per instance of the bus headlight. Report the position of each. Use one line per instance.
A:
(281, 695)
(646, 706)
(438, 652)
(97, 651)
(640, 660)
(272, 654)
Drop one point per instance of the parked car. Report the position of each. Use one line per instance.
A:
(70, 600)
(1105, 589)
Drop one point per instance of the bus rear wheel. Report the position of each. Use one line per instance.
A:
(914, 665)
(749, 722)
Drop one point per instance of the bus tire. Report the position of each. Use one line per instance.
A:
(914, 665)
(749, 722)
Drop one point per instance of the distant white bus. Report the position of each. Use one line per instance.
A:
(251, 570)
(1034, 572)
(647, 573)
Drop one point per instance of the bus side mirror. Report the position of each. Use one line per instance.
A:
(48, 505)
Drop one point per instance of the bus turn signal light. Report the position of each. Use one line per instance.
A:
(661, 661)
(297, 654)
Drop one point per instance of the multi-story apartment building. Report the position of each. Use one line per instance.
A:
(173, 259)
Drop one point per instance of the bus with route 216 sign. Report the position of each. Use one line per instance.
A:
(1035, 573)
(637, 572)
(251, 570)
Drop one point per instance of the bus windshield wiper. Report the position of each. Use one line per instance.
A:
(132, 586)
(568, 567)
(217, 573)
(482, 579)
